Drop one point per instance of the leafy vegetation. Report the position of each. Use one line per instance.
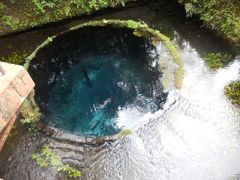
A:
(2, 7)
(221, 15)
(47, 158)
(31, 122)
(17, 57)
(10, 21)
(232, 91)
(216, 60)
(31, 13)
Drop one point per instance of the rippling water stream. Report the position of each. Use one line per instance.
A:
(196, 136)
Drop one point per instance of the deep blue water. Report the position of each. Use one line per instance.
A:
(87, 77)
(87, 97)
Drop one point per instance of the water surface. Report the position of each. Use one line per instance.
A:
(194, 135)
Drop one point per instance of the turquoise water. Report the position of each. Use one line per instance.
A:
(86, 98)
(90, 76)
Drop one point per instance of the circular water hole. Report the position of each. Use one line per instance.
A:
(85, 80)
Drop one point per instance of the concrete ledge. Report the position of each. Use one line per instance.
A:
(15, 86)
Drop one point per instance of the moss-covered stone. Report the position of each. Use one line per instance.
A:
(232, 91)
(216, 60)
(17, 57)
(125, 132)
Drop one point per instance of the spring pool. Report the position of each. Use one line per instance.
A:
(85, 86)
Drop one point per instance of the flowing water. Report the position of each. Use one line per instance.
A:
(195, 134)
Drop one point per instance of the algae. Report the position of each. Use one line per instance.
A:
(48, 158)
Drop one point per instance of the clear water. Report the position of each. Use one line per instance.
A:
(87, 98)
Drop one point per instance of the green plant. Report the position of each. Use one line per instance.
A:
(232, 91)
(216, 60)
(47, 158)
(39, 6)
(31, 122)
(17, 57)
(10, 21)
(2, 7)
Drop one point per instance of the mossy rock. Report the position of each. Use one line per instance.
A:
(17, 57)
(125, 132)
(216, 60)
(232, 91)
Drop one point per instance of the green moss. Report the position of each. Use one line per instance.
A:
(47, 158)
(216, 60)
(232, 91)
(132, 24)
(17, 57)
(125, 132)
(2, 7)
(10, 21)
(48, 41)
